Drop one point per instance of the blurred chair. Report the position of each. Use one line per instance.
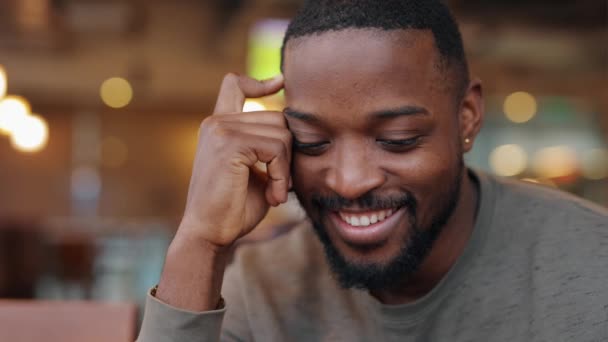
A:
(78, 321)
(22, 258)
(74, 259)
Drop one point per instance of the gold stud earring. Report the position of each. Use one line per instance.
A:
(467, 141)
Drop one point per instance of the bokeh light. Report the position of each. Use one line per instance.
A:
(508, 160)
(520, 107)
(595, 164)
(253, 106)
(30, 135)
(555, 162)
(116, 92)
(114, 152)
(13, 110)
(3, 82)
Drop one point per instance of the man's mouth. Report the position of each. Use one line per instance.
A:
(370, 227)
(364, 219)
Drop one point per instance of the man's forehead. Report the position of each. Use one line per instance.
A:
(356, 68)
(362, 41)
(360, 51)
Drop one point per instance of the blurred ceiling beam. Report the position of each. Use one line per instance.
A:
(176, 62)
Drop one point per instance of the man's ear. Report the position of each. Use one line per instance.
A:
(472, 110)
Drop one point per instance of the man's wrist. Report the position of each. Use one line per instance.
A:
(192, 275)
(192, 234)
(186, 240)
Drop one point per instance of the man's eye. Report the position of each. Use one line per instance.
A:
(400, 144)
(310, 148)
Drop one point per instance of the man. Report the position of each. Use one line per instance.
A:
(404, 243)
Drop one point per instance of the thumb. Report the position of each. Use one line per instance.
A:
(236, 88)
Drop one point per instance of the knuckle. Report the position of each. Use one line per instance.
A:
(231, 78)
(208, 124)
(216, 127)
(222, 130)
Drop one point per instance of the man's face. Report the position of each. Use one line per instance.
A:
(377, 161)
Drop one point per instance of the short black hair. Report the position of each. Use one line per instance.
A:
(320, 16)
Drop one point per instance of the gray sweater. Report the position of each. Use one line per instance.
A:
(534, 269)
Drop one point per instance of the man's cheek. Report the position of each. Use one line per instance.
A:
(301, 174)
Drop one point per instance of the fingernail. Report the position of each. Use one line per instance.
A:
(290, 184)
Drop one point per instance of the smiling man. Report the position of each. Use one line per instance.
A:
(402, 241)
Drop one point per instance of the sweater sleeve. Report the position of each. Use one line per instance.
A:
(164, 323)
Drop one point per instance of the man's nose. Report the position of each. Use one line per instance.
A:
(353, 173)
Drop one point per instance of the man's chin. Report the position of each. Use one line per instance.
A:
(377, 254)
(372, 266)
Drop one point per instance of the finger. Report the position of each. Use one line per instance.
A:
(278, 180)
(272, 152)
(236, 88)
(263, 130)
(262, 117)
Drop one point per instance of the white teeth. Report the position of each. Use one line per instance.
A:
(345, 218)
(364, 220)
(382, 215)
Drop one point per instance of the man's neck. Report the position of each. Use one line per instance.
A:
(446, 250)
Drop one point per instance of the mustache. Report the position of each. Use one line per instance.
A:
(369, 201)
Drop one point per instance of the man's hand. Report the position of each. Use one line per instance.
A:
(228, 195)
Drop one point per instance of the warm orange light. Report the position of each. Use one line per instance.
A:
(13, 110)
(3, 82)
(508, 160)
(116, 92)
(520, 107)
(30, 135)
(555, 162)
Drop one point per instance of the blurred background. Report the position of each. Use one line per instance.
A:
(102, 100)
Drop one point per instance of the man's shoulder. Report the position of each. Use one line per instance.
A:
(552, 245)
(554, 230)
(538, 203)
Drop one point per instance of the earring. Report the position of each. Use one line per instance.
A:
(467, 141)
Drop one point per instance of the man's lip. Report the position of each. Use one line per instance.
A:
(364, 211)
(367, 235)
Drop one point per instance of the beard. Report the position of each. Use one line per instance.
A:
(414, 249)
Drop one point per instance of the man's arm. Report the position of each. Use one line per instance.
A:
(227, 198)
(192, 275)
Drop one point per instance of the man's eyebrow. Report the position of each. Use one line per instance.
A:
(400, 111)
(310, 118)
(378, 115)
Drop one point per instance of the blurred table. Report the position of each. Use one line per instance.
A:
(60, 321)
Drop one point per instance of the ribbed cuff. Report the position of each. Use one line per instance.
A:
(164, 323)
